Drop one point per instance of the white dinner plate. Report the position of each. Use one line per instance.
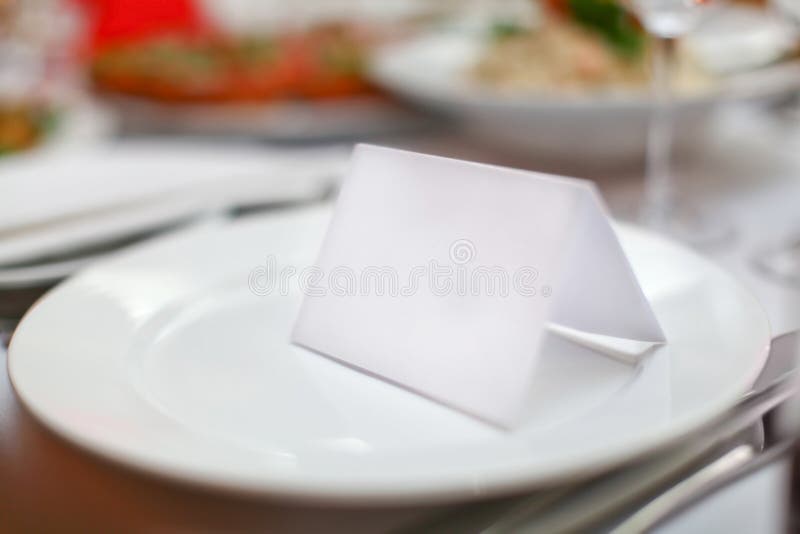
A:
(172, 360)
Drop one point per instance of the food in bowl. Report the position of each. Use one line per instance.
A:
(579, 46)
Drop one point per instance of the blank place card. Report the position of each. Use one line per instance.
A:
(444, 277)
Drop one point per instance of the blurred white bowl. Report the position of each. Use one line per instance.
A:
(431, 71)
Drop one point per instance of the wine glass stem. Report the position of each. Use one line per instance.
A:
(658, 194)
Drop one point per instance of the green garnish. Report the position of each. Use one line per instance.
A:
(504, 29)
(610, 20)
(48, 121)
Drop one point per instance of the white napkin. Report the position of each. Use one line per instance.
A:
(444, 276)
(56, 201)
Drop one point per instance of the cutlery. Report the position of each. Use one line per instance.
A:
(768, 403)
(660, 485)
(729, 468)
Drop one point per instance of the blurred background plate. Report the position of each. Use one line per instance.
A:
(253, 69)
(341, 119)
(436, 71)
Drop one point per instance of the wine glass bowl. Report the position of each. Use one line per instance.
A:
(666, 21)
(781, 262)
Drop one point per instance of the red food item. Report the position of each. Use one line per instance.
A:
(558, 7)
(182, 69)
(112, 22)
(322, 63)
(168, 50)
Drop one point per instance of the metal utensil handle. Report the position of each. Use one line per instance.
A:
(745, 413)
(721, 473)
(684, 492)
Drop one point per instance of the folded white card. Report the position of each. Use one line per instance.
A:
(444, 276)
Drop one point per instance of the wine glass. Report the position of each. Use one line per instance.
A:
(667, 21)
(782, 261)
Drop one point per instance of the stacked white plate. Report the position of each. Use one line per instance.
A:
(171, 359)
